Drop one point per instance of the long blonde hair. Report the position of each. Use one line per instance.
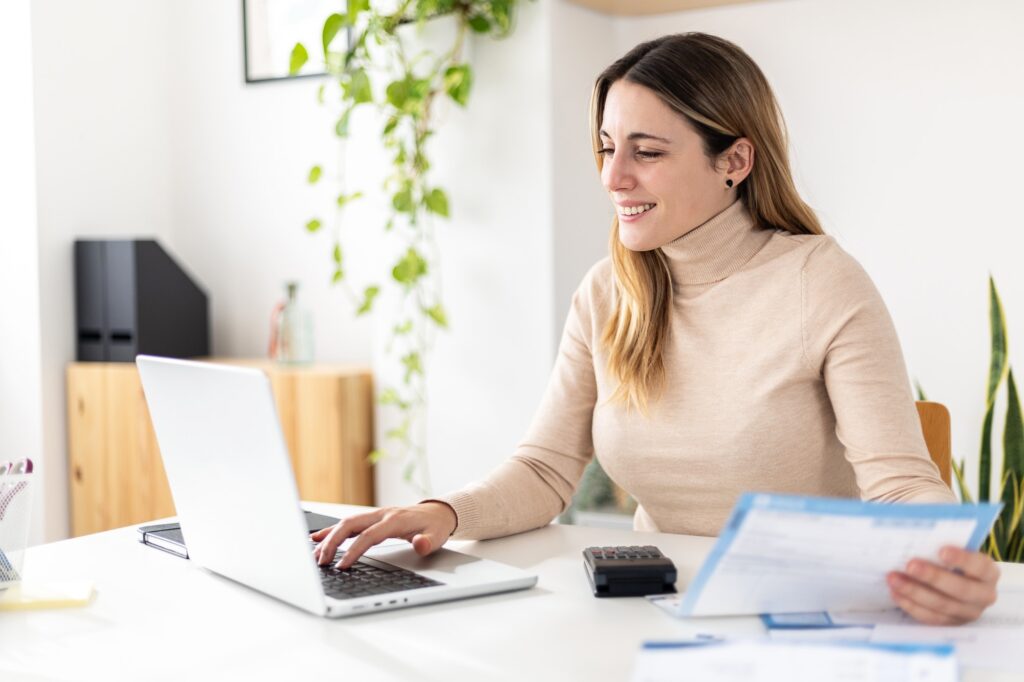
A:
(723, 94)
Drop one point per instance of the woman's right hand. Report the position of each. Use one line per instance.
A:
(426, 525)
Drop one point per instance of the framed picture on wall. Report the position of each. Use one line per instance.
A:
(272, 27)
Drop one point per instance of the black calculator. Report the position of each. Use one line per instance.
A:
(629, 571)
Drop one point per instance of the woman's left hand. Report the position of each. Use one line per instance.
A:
(956, 592)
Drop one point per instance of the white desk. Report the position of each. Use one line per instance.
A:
(159, 617)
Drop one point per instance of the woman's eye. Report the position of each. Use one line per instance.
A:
(649, 155)
(605, 151)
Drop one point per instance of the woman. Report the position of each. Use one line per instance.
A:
(727, 345)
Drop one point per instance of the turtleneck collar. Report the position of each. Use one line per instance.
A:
(717, 248)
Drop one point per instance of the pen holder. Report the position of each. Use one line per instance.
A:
(15, 510)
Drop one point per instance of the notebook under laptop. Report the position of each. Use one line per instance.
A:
(236, 497)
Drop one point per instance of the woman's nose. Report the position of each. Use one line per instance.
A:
(617, 174)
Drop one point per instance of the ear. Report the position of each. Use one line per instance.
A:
(737, 161)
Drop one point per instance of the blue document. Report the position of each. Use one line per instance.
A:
(789, 554)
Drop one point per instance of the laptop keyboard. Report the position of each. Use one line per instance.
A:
(368, 577)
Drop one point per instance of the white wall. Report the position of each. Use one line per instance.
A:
(103, 162)
(902, 118)
(239, 197)
(582, 43)
(21, 431)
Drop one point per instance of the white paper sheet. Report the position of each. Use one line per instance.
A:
(785, 554)
(792, 662)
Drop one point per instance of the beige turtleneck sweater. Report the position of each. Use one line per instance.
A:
(784, 374)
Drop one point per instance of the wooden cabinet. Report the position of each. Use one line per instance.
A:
(118, 479)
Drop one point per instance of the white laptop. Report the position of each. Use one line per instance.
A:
(235, 493)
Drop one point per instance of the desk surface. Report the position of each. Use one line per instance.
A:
(157, 616)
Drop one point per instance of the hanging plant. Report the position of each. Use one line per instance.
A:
(378, 68)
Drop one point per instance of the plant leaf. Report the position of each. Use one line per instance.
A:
(920, 391)
(436, 313)
(332, 25)
(338, 275)
(413, 365)
(341, 127)
(314, 174)
(998, 368)
(458, 80)
(985, 458)
(437, 202)
(410, 268)
(402, 200)
(369, 294)
(1013, 435)
(346, 198)
(403, 329)
(958, 472)
(313, 225)
(336, 255)
(480, 24)
(298, 59)
(376, 456)
(359, 87)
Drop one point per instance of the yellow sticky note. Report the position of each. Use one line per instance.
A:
(47, 595)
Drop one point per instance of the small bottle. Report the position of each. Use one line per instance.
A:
(295, 330)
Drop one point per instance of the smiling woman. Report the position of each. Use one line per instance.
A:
(726, 345)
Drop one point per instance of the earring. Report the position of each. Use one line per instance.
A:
(728, 183)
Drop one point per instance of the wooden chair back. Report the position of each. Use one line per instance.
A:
(935, 424)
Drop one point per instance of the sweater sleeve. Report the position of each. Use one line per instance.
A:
(538, 481)
(850, 339)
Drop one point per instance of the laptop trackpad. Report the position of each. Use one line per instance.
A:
(443, 565)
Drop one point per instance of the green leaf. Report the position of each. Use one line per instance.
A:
(346, 198)
(920, 391)
(298, 59)
(436, 313)
(390, 126)
(411, 361)
(359, 87)
(341, 127)
(437, 202)
(314, 174)
(390, 397)
(313, 225)
(376, 456)
(479, 24)
(402, 201)
(402, 329)
(338, 275)
(397, 93)
(410, 268)
(457, 83)
(336, 255)
(1013, 453)
(998, 367)
(997, 323)
(408, 471)
(985, 458)
(958, 472)
(400, 432)
(369, 294)
(320, 94)
(355, 7)
(332, 25)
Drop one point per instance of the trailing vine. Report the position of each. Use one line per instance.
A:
(378, 51)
